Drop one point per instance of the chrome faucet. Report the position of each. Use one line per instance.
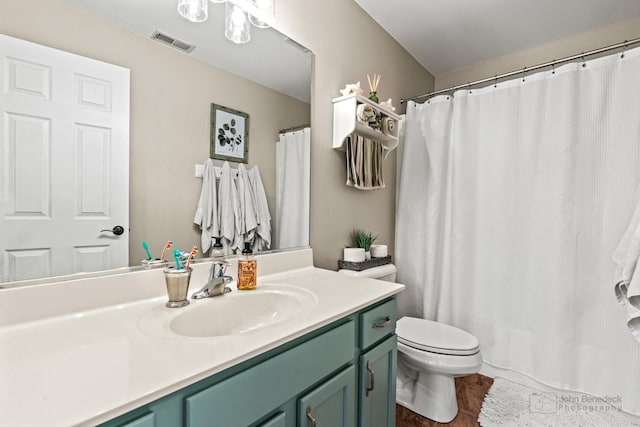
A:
(217, 283)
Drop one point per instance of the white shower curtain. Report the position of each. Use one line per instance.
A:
(511, 201)
(293, 171)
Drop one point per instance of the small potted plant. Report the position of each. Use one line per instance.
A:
(363, 239)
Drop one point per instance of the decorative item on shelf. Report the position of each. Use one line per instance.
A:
(363, 239)
(388, 104)
(351, 88)
(365, 114)
(379, 251)
(373, 85)
(353, 254)
(387, 125)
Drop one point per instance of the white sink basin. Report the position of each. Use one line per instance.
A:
(241, 311)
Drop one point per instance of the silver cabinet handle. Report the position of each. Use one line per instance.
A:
(372, 380)
(387, 321)
(310, 416)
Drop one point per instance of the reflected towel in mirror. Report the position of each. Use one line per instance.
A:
(262, 239)
(206, 215)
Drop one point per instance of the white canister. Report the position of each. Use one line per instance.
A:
(353, 254)
(379, 251)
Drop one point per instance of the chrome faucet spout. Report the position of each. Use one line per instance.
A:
(217, 283)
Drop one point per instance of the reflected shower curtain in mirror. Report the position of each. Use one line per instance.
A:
(511, 202)
(293, 156)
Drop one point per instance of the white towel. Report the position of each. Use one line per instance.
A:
(262, 239)
(248, 219)
(627, 276)
(229, 211)
(207, 212)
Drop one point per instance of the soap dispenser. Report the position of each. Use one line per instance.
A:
(217, 251)
(247, 269)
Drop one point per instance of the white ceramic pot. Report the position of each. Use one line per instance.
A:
(353, 254)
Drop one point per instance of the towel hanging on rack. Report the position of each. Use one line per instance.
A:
(364, 163)
(206, 215)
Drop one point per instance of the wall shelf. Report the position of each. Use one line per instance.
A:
(345, 123)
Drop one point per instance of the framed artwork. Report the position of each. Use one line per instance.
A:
(229, 134)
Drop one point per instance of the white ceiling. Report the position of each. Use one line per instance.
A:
(268, 59)
(445, 35)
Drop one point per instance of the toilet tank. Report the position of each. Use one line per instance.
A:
(385, 272)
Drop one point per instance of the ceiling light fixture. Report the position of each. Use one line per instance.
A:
(239, 15)
(265, 7)
(236, 24)
(193, 10)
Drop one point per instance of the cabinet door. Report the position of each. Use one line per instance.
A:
(279, 420)
(377, 391)
(331, 404)
(148, 420)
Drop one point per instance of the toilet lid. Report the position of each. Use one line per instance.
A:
(435, 337)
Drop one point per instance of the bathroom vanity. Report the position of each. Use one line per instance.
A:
(308, 344)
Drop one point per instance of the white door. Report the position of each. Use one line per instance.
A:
(64, 162)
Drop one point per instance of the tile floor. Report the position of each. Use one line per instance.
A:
(470, 392)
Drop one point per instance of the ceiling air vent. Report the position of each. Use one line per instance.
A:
(172, 41)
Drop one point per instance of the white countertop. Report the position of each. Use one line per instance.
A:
(68, 362)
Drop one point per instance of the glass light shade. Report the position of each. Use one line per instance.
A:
(266, 8)
(236, 24)
(193, 10)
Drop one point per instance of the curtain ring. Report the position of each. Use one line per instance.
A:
(553, 67)
(495, 81)
(624, 47)
(469, 87)
(524, 73)
(584, 63)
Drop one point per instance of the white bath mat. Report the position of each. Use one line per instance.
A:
(511, 404)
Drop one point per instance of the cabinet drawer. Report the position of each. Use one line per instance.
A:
(377, 323)
(257, 390)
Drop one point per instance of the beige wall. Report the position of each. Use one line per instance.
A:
(348, 45)
(171, 94)
(595, 39)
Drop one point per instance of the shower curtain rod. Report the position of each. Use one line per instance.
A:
(294, 128)
(495, 78)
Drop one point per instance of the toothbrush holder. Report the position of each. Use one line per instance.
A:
(177, 286)
(148, 264)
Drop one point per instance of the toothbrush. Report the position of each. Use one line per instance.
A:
(176, 255)
(167, 246)
(146, 249)
(194, 250)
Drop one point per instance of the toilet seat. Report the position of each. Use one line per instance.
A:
(434, 337)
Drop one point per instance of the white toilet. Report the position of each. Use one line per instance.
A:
(430, 356)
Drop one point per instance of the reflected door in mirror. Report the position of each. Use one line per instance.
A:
(64, 146)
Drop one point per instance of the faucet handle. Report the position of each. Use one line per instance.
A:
(219, 268)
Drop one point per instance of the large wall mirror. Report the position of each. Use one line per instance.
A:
(169, 108)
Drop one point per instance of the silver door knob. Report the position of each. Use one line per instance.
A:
(117, 230)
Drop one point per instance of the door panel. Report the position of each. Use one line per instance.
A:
(64, 162)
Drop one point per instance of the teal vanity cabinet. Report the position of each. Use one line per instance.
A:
(377, 366)
(341, 375)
